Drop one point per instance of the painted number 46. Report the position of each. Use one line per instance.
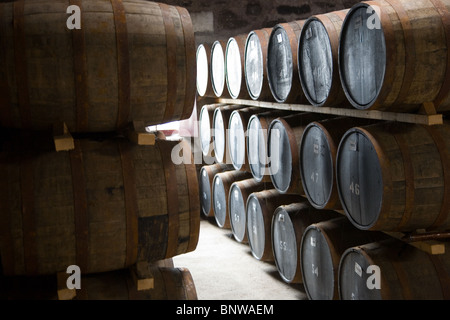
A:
(354, 188)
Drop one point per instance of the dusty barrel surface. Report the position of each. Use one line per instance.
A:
(131, 60)
(318, 65)
(395, 177)
(260, 209)
(207, 174)
(393, 55)
(221, 189)
(322, 246)
(284, 139)
(203, 80)
(103, 206)
(237, 202)
(255, 64)
(318, 151)
(282, 63)
(288, 225)
(235, 66)
(398, 274)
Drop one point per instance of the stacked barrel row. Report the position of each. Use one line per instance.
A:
(376, 55)
(301, 168)
(107, 204)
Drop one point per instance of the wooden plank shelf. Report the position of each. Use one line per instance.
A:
(430, 118)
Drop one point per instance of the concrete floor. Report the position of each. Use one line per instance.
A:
(224, 269)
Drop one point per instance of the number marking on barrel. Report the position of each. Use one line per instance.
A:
(354, 188)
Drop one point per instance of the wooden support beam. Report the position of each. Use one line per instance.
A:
(142, 276)
(425, 119)
(62, 138)
(63, 292)
(138, 134)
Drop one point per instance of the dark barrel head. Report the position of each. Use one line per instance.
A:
(316, 166)
(255, 227)
(236, 140)
(256, 148)
(280, 156)
(205, 192)
(317, 265)
(284, 244)
(202, 69)
(219, 201)
(254, 65)
(362, 56)
(315, 61)
(237, 211)
(359, 178)
(279, 64)
(233, 68)
(353, 277)
(217, 68)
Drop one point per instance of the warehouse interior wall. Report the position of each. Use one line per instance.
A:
(221, 19)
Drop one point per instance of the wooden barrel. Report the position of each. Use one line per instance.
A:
(318, 59)
(218, 68)
(322, 246)
(318, 150)
(205, 128)
(393, 55)
(203, 59)
(207, 174)
(131, 60)
(283, 150)
(237, 202)
(220, 126)
(103, 206)
(234, 67)
(260, 208)
(237, 133)
(395, 177)
(221, 189)
(255, 65)
(282, 64)
(288, 225)
(257, 131)
(405, 273)
(168, 284)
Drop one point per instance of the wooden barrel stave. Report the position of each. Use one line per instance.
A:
(260, 209)
(282, 63)
(288, 225)
(255, 65)
(237, 202)
(322, 246)
(235, 67)
(400, 276)
(221, 189)
(169, 283)
(64, 208)
(318, 150)
(284, 139)
(112, 71)
(406, 61)
(318, 59)
(405, 160)
(207, 174)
